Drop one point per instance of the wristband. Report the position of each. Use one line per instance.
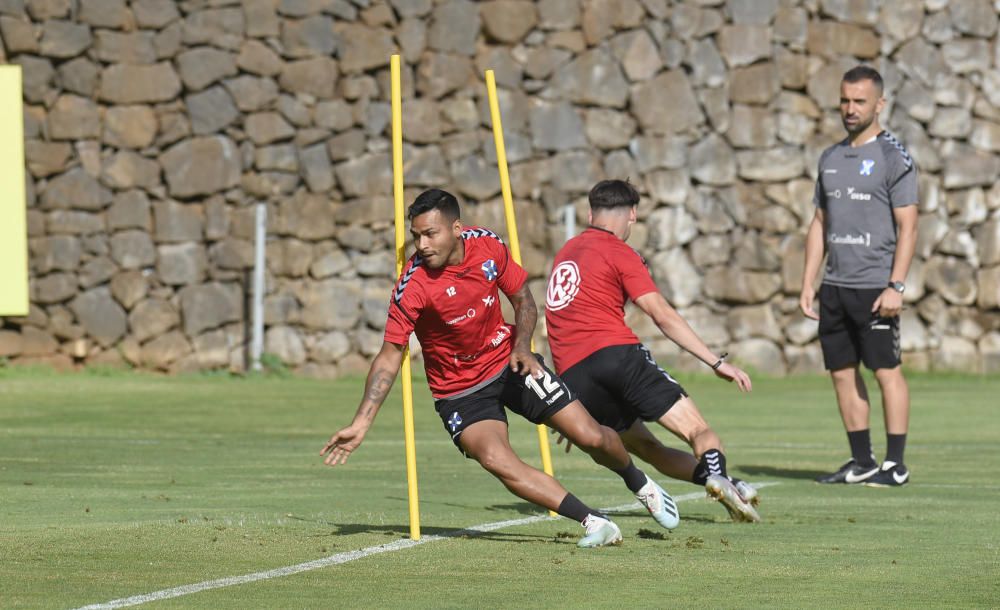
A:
(719, 362)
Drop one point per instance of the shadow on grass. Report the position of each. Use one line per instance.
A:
(346, 529)
(403, 531)
(804, 474)
(568, 536)
(522, 508)
(644, 516)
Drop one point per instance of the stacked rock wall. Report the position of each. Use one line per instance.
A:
(153, 127)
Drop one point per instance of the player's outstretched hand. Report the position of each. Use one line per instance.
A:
(732, 373)
(561, 438)
(341, 444)
(523, 362)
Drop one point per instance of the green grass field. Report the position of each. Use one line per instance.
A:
(119, 485)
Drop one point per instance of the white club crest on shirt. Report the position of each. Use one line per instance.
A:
(563, 285)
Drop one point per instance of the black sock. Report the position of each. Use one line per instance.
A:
(572, 508)
(895, 443)
(633, 477)
(712, 462)
(861, 447)
(699, 476)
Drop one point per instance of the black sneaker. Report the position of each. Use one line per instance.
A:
(890, 475)
(850, 473)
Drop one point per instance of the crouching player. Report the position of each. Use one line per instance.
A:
(612, 373)
(477, 364)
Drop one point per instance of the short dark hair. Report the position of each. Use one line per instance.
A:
(608, 194)
(435, 199)
(860, 73)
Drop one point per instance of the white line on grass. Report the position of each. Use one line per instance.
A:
(340, 558)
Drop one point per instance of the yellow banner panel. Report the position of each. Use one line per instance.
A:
(13, 229)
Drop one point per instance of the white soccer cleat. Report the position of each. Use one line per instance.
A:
(723, 490)
(600, 532)
(747, 491)
(659, 504)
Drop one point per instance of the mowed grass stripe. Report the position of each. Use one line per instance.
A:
(112, 485)
(342, 558)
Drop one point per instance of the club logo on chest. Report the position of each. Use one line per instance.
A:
(490, 270)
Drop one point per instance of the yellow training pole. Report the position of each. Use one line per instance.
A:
(397, 193)
(515, 245)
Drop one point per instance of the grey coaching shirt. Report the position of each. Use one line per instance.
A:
(857, 189)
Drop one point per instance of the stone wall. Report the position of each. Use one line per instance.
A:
(153, 127)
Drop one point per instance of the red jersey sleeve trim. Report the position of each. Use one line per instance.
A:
(404, 279)
(480, 232)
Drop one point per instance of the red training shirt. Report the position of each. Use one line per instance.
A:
(593, 276)
(456, 314)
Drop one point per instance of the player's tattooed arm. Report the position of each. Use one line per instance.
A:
(525, 317)
(380, 378)
(377, 388)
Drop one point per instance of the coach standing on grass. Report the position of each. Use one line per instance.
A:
(866, 221)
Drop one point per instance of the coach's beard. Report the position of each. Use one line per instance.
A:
(856, 127)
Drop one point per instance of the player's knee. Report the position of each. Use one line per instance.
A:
(593, 438)
(497, 463)
(489, 460)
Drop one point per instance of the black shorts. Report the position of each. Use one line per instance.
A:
(850, 332)
(622, 383)
(536, 400)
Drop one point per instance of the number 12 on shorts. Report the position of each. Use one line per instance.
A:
(547, 388)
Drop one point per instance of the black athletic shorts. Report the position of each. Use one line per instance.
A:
(850, 332)
(622, 383)
(536, 400)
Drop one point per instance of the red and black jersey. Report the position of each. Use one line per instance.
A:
(593, 276)
(455, 313)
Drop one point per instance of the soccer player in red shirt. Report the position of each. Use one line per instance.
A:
(614, 375)
(476, 364)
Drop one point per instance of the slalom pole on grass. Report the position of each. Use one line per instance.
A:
(397, 193)
(515, 245)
